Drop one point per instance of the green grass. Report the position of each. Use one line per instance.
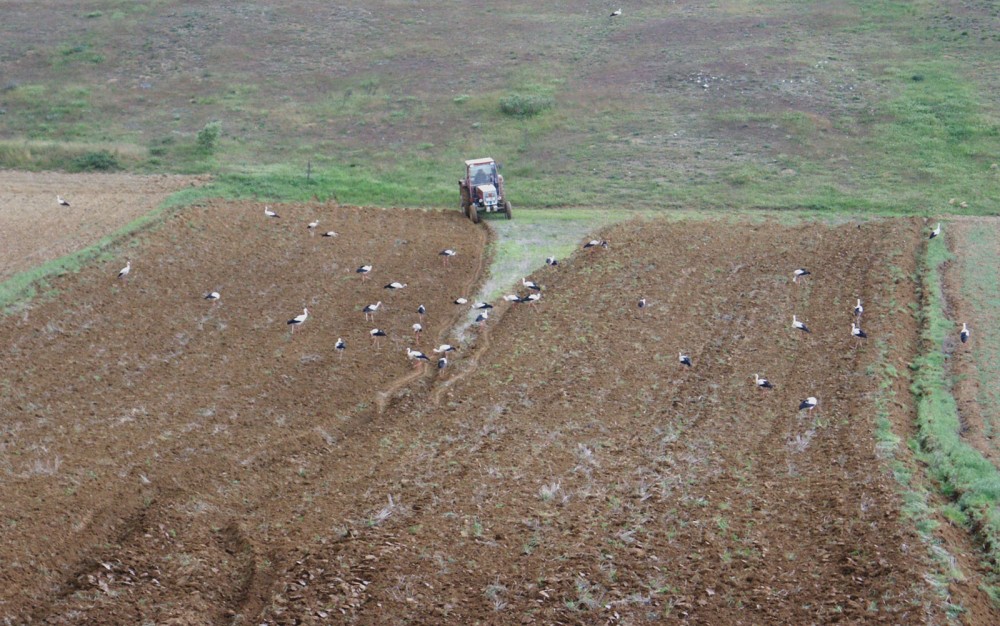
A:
(34, 155)
(963, 473)
(896, 116)
(523, 243)
(344, 184)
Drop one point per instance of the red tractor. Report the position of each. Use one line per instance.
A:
(482, 189)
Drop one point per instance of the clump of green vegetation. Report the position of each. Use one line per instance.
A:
(208, 137)
(99, 161)
(525, 105)
(68, 156)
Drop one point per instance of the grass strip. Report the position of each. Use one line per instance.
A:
(964, 475)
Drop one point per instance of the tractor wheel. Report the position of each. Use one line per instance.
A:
(472, 214)
(465, 206)
(506, 209)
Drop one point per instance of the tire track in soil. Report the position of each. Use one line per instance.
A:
(385, 396)
(705, 423)
(230, 540)
(262, 591)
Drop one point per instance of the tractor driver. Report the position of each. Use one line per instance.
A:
(481, 177)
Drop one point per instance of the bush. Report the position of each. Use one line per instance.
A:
(521, 105)
(100, 161)
(208, 137)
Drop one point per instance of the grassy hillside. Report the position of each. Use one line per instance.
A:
(882, 106)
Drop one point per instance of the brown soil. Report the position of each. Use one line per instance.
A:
(171, 462)
(35, 229)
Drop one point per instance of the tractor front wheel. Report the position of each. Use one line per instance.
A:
(473, 214)
(506, 209)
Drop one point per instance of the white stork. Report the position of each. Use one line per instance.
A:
(482, 306)
(299, 320)
(762, 383)
(642, 303)
(595, 243)
(417, 329)
(482, 317)
(442, 363)
(62, 201)
(809, 403)
(858, 309)
(417, 355)
(340, 346)
(330, 233)
(800, 272)
(797, 324)
(936, 231)
(312, 225)
(446, 254)
(376, 334)
(461, 301)
(964, 335)
(395, 285)
(123, 272)
(444, 347)
(370, 310)
(512, 298)
(857, 332)
(531, 297)
(269, 213)
(615, 13)
(551, 261)
(530, 284)
(213, 297)
(421, 311)
(684, 359)
(364, 270)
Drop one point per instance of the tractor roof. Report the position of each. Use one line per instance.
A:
(483, 161)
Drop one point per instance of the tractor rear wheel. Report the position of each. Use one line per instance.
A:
(506, 209)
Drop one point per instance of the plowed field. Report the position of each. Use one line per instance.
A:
(35, 229)
(166, 460)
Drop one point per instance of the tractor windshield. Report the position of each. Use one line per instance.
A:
(482, 174)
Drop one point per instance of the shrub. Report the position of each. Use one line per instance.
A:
(521, 105)
(208, 137)
(100, 161)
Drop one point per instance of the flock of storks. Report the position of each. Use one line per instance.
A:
(418, 357)
(810, 402)
(534, 295)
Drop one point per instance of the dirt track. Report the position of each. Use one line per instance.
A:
(202, 465)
